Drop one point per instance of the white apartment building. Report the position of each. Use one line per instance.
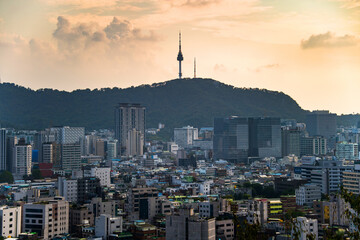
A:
(23, 158)
(304, 227)
(68, 188)
(306, 194)
(205, 187)
(48, 219)
(10, 221)
(185, 136)
(106, 225)
(326, 173)
(103, 174)
(348, 151)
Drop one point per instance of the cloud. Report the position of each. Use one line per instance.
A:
(264, 67)
(198, 3)
(220, 68)
(329, 40)
(350, 4)
(118, 30)
(82, 54)
(75, 38)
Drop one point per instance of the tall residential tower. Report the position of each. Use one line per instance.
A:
(128, 117)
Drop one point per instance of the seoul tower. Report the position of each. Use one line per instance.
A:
(180, 56)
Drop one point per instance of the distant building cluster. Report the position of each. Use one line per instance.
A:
(278, 176)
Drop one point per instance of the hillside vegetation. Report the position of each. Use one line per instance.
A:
(176, 103)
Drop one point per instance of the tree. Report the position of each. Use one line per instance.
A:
(353, 213)
(6, 177)
(36, 173)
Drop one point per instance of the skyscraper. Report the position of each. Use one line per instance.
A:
(128, 116)
(237, 138)
(321, 123)
(231, 138)
(11, 141)
(290, 141)
(2, 149)
(264, 137)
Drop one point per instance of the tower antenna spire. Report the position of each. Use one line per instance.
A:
(180, 57)
(194, 67)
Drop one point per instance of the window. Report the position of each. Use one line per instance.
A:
(34, 210)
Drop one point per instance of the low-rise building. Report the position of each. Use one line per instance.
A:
(48, 219)
(10, 221)
(306, 194)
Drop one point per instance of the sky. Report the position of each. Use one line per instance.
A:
(308, 49)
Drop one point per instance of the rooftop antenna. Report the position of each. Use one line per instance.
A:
(194, 67)
(180, 56)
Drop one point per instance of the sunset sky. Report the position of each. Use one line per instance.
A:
(309, 49)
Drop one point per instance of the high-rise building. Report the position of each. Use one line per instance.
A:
(90, 144)
(100, 148)
(128, 116)
(185, 136)
(70, 157)
(47, 153)
(11, 141)
(321, 123)
(313, 146)
(40, 138)
(69, 135)
(134, 143)
(111, 151)
(290, 141)
(3, 149)
(231, 138)
(238, 138)
(264, 137)
(23, 158)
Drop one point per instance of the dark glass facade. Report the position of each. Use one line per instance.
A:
(236, 138)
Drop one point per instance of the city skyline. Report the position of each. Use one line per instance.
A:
(307, 49)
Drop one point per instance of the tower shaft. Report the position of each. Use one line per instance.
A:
(180, 57)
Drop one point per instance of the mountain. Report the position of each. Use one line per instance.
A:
(175, 103)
